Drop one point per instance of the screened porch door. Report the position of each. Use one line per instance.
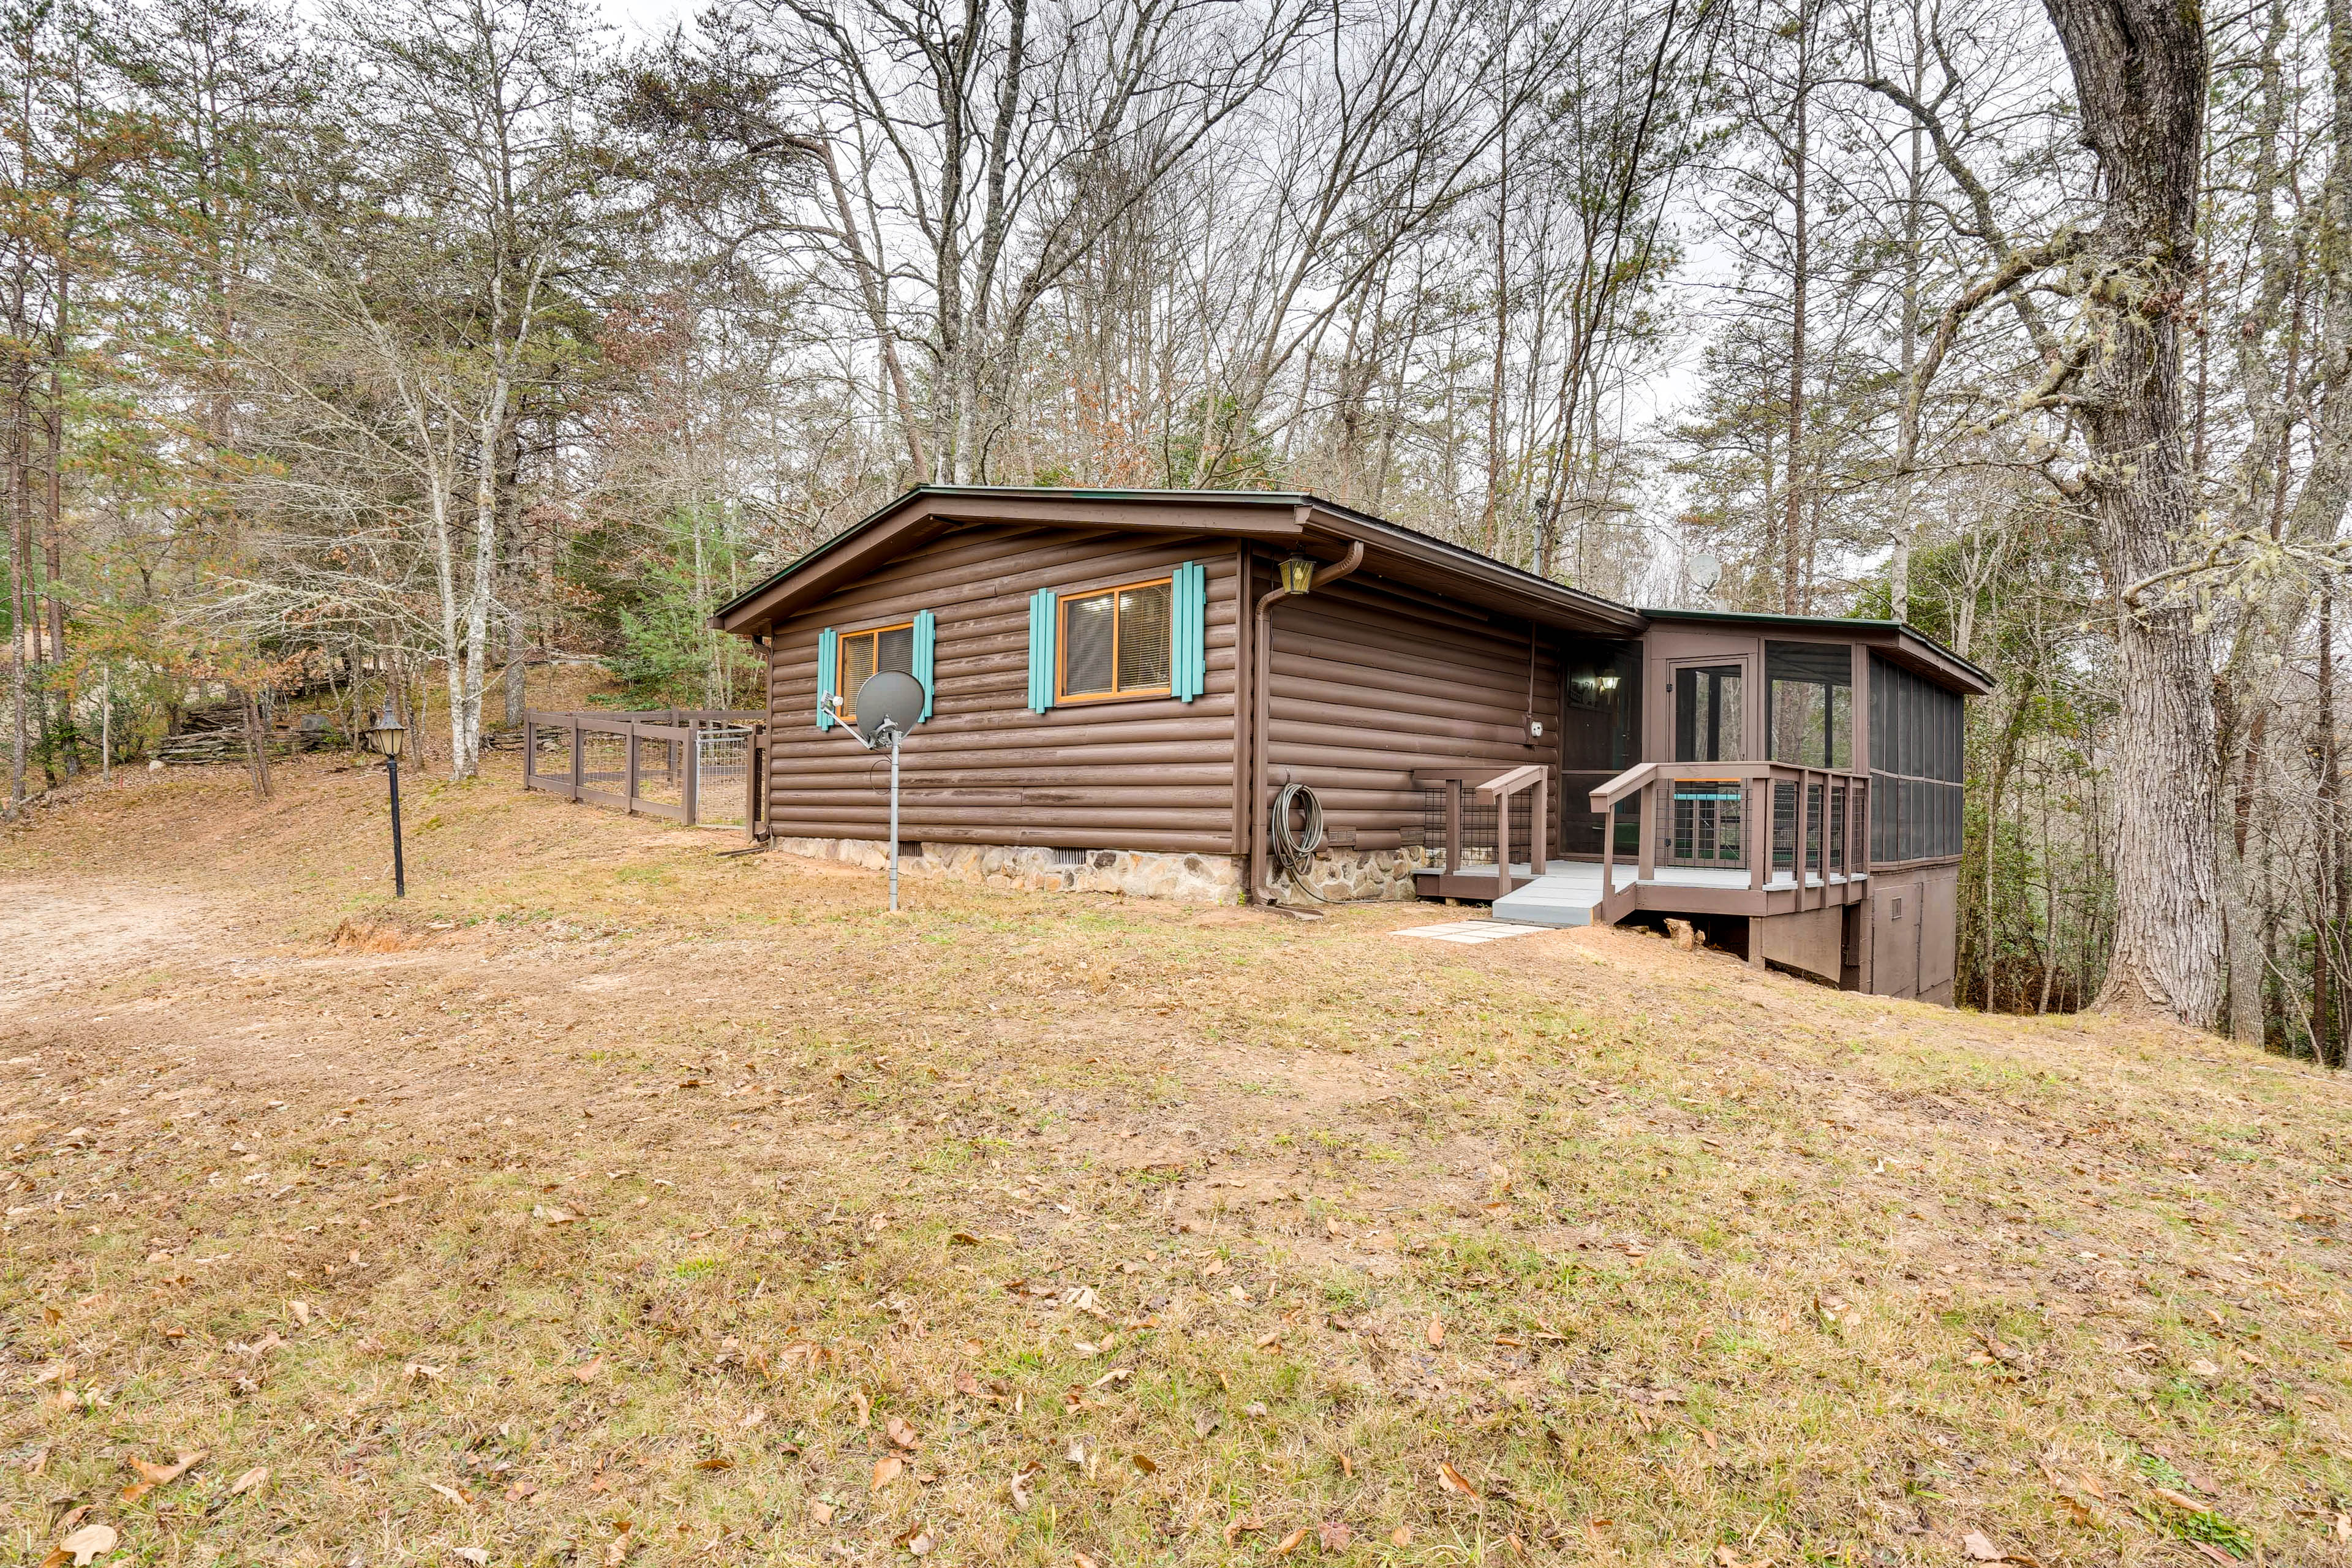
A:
(1705, 818)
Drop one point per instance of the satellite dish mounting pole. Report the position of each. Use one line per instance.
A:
(891, 703)
(894, 819)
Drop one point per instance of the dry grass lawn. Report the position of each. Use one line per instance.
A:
(612, 1202)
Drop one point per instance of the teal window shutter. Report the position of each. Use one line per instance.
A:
(828, 652)
(1188, 622)
(927, 637)
(1041, 606)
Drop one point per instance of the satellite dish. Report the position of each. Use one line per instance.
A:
(1705, 572)
(892, 698)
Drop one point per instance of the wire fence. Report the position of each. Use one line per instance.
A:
(697, 767)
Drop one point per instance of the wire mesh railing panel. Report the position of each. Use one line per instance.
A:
(550, 755)
(604, 761)
(1704, 822)
(1478, 826)
(661, 770)
(722, 761)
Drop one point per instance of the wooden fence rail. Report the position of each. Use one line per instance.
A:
(707, 763)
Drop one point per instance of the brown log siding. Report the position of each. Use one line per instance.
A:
(1136, 773)
(1372, 682)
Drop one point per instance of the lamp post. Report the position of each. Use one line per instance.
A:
(385, 738)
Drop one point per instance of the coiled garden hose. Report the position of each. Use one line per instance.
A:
(1294, 851)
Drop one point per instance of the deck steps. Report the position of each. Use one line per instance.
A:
(1564, 895)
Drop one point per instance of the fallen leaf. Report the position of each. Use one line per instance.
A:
(1401, 1536)
(88, 1544)
(1436, 1330)
(1977, 1549)
(898, 1431)
(821, 1511)
(520, 1490)
(618, 1552)
(157, 1474)
(887, 1468)
(301, 1313)
(962, 1238)
(1450, 1479)
(2204, 1368)
(2186, 1504)
(247, 1481)
(1024, 1480)
(1144, 1463)
(452, 1493)
(473, 1554)
(1116, 1374)
(1346, 1467)
(1240, 1524)
(864, 1406)
(417, 1372)
(590, 1370)
(716, 1462)
(919, 1541)
(1081, 1560)
(1333, 1535)
(1288, 1543)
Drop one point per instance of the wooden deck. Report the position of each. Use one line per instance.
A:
(1569, 892)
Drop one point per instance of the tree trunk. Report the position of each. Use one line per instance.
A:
(2141, 76)
(1793, 594)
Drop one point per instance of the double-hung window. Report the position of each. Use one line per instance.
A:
(1115, 642)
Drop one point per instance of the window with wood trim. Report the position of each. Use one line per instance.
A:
(869, 653)
(1115, 643)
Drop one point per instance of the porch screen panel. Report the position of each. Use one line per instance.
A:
(1811, 706)
(1917, 731)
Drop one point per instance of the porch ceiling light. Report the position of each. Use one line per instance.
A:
(1298, 574)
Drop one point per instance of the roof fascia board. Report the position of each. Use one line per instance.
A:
(922, 514)
(1522, 593)
(1912, 646)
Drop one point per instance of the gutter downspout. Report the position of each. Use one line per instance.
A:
(1261, 703)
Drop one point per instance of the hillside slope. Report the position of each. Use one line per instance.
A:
(610, 1199)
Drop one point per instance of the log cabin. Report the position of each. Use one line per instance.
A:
(1267, 697)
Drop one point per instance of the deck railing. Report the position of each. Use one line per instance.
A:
(701, 767)
(1496, 790)
(1705, 814)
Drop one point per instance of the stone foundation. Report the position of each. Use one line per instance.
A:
(1337, 876)
(1138, 873)
(1356, 876)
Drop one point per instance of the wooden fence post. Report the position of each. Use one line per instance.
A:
(629, 796)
